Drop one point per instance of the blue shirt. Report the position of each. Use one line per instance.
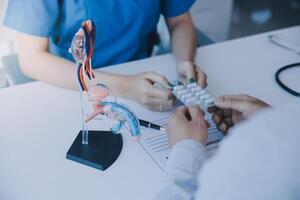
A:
(123, 26)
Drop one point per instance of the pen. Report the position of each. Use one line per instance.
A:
(151, 125)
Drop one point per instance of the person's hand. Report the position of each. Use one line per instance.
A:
(232, 109)
(141, 87)
(188, 72)
(187, 123)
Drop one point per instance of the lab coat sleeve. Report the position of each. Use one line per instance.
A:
(184, 163)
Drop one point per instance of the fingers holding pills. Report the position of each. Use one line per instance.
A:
(159, 105)
(187, 123)
(154, 77)
(151, 90)
(189, 72)
(234, 108)
(201, 77)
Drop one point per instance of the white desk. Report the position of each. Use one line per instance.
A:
(38, 123)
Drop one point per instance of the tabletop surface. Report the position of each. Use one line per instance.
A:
(39, 123)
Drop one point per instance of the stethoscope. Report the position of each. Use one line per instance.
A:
(285, 68)
(281, 84)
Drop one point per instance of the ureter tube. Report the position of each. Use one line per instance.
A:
(84, 112)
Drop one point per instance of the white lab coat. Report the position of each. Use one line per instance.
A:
(260, 159)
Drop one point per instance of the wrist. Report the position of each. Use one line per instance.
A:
(185, 63)
(197, 138)
(123, 85)
(190, 141)
(118, 84)
(186, 71)
(128, 86)
(202, 141)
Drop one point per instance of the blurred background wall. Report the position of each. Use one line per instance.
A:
(207, 13)
(256, 16)
(7, 43)
(7, 36)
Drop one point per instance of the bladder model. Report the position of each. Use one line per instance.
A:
(93, 94)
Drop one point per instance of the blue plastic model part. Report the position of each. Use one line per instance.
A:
(128, 116)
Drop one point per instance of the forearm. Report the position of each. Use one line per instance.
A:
(120, 85)
(48, 68)
(184, 41)
(37, 63)
(58, 71)
(182, 168)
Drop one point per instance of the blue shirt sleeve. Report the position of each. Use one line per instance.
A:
(173, 8)
(34, 17)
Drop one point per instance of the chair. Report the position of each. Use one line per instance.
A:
(12, 68)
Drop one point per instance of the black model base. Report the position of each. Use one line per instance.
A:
(102, 151)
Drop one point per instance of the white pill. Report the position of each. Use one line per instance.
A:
(200, 93)
(199, 102)
(181, 92)
(210, 102)
(196, 89)
(205, 96)
(186, 96)
(192, 85)
(191, 101)
(178, 87)
(203, 108)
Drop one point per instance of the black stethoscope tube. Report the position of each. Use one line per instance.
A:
(281, 84)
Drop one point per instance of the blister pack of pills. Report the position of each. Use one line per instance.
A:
(192, 94)
(156, 143)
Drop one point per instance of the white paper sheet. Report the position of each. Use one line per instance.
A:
(155, 143)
